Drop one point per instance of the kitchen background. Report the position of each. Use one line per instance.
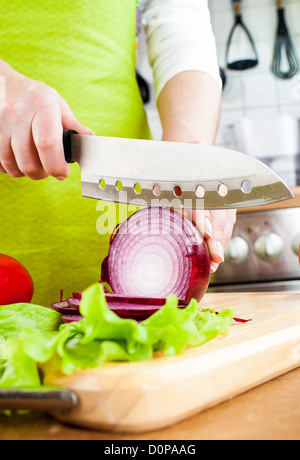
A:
(254, 93)
(260, 116)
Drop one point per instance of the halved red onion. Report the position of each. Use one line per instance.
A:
(155, 253)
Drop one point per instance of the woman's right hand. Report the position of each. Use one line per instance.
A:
(32, 118)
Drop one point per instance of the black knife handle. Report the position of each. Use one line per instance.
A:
(67, 143)
(55, 399)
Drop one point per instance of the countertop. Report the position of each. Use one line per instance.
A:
(268, 412)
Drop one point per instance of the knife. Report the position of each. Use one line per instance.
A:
(172, 174)
(39, 399)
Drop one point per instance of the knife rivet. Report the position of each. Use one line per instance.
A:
(102, 184)
(200, 192)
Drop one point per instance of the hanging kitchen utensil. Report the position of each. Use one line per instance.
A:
(142, 83)
(144, 87)
(223, 78)
(284, 50)
(241, 64)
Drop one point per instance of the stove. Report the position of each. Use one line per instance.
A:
(262, 254)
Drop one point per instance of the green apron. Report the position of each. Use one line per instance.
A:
(85, 49)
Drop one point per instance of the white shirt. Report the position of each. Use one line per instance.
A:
(180, 38)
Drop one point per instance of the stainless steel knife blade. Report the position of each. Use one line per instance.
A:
(172, 174)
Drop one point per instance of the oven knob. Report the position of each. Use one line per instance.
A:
(296, 244)
(236, 251)
(269, 247)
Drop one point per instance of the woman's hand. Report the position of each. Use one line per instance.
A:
(217, 227)
(32, 118)
(189, 107)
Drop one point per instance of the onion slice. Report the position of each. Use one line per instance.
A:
(155, 253)
(125, 307)
(71, 318)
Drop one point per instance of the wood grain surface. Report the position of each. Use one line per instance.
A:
(146, 396)
(269, 411)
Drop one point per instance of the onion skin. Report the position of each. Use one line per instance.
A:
(178, 239)
(16, 285)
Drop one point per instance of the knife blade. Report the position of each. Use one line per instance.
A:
(172, 174)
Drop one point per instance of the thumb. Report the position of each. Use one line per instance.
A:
(69, 121)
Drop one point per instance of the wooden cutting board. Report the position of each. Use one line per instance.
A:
(145, 396)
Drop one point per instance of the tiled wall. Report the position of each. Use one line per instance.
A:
(255, 92)
(252, 93)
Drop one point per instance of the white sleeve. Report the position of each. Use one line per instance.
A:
(179, 37)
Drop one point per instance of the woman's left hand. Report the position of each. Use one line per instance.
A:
(217, 227)
(189, 108)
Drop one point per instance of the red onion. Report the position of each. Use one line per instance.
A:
(155, 253)
(65, 307)
(125, 307)
(71, 318)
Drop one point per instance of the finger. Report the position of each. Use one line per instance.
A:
(69, 121)
(215, 244)
(229, 227)
(47, 136)
(7, 159)
(26, 154)
(214, 267)
(216, 250)
(2, 170)
(202, 220)
(223, 224)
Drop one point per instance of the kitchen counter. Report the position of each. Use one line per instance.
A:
(269, 412)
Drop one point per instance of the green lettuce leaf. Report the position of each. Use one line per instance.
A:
(14, 318)
(103, 336)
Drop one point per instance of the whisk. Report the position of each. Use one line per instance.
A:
(283, 44)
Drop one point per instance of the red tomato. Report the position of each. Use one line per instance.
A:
(16, 285)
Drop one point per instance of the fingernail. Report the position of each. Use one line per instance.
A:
(208, 227)
(214, 267)
(220, 250)
(216, 250)
(61, 178)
